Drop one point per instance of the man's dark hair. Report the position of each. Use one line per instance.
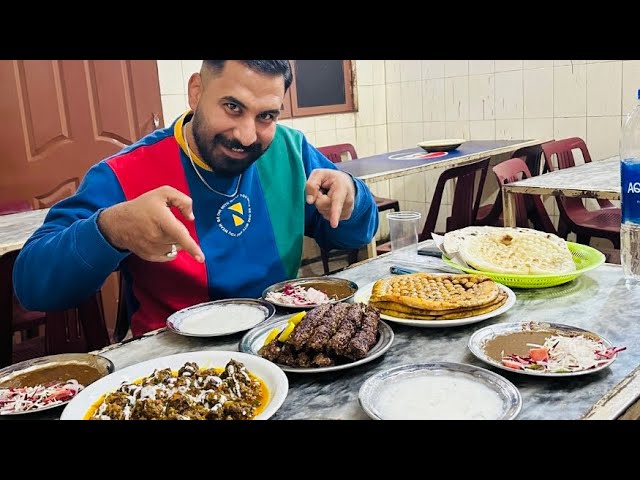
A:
(268, 67)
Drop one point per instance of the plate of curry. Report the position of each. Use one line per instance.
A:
(205, 385)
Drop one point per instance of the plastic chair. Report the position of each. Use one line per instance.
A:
(77, 330)
(334, 153)
(574, 216)
(491, 214)
(528, 207)
(13, 317)
(466, 199)
(16, 206)
(80, 329)
(122, 318)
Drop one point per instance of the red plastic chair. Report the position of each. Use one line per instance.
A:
(574, 216)
(80, 329)
(528, 207)
(466, 199)
(491, 214)
(77, 330)
(13, 317)
(334, 153)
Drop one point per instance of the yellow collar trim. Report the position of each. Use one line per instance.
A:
(178, 133)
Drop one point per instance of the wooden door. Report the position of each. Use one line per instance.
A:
(62, 116)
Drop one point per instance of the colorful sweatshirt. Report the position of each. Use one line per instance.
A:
(251, 239)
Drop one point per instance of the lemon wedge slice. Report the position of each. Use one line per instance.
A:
(287, 331)
(272, 334)
(297, 318)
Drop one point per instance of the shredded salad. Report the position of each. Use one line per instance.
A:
(560, 354)
(25, 399)
(295, 295)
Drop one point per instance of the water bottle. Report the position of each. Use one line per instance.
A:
(630, 177)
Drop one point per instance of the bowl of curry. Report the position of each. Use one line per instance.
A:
(310, 292)
(48, 382)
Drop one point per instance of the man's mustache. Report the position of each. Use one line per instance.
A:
(220, 139)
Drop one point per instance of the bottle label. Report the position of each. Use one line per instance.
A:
(630, 198)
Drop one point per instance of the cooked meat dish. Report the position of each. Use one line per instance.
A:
(327, 335)
(192, 394)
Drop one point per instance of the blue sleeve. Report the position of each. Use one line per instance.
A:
(67, 259)
(355, 232)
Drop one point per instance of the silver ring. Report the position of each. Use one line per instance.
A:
(174, 251)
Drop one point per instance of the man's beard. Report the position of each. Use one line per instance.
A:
(221, 163)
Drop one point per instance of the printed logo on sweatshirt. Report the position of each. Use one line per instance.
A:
(234, 216)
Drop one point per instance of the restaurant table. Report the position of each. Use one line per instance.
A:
(599, 179)
(597, 301)
(410, 161)
(415, 160)
(16, 228)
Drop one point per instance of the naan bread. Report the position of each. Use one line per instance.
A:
(517, 252)
(454, 240)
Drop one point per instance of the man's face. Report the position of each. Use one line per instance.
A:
(235, 114)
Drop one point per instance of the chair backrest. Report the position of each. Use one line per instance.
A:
(528, 207)
(562, 150)
(79, 329)
(122, 319)
(16, 206)
(532, 156)
(466, 197)
(6, 287)
(334, 152)
(6, 307)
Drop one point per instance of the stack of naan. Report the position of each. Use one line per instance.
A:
(427, 296)
(520, 251)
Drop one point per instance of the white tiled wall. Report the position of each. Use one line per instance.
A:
(174, 76)
(401, 102)
(404, 101)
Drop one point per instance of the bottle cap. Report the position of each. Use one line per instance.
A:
(639, 94)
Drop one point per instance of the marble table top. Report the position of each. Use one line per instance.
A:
(598, 301)
(404, 162)
(16, 228)
(598, 179)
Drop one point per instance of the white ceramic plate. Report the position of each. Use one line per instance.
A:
(364, 294)
(478, 339)
(441, 145)
(423, 381)
(274, 378)
(254, 340)
(213, 319)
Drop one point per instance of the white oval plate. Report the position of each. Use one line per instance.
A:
(441, 145)
(254, 340)
(215, 327)
(274, 378)
(364, 294)
(372, 390)
(477, 340)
